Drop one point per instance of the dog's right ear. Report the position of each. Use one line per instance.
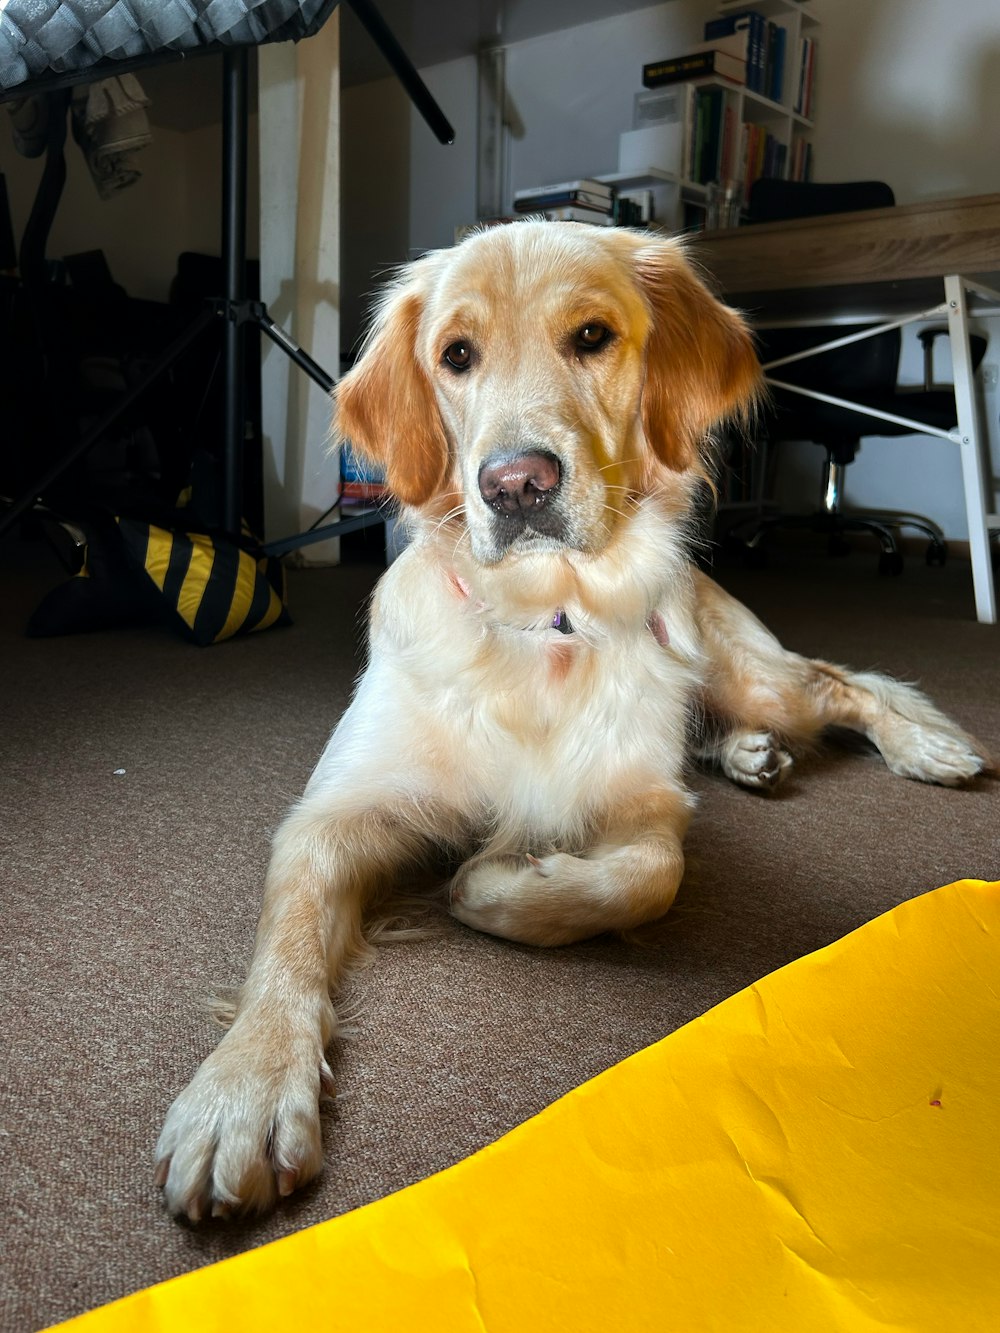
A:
(385, 405)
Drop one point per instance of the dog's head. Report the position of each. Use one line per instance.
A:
(537, 378)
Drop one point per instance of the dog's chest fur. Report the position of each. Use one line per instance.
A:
(525, 717)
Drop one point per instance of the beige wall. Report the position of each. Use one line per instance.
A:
(174, 206)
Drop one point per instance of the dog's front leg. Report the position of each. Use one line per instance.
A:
(247, 1128)
(559, 898)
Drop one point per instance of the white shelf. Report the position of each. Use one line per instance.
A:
(642, 176)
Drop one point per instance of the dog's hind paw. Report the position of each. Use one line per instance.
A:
(754, 759)
(941, 754)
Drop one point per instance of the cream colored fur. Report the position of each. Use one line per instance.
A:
(552, 765)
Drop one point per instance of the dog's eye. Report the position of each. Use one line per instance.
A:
(592, 337)
(459, 355)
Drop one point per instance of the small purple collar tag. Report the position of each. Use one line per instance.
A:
(560, 621)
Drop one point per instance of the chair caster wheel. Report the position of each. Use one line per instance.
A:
(937, 553)
(890, 563)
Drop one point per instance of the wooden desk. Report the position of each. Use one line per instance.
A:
(903, 263)
(897, 246)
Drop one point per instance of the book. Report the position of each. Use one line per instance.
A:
(696, 65)
(588, 215)
(776, 82)
(750, 27)
(586, 184)
(712, 100)
(563, 198)
(360, 482)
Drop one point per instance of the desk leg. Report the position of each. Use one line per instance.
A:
(973, 471)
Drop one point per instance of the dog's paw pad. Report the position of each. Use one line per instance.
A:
(755, 759)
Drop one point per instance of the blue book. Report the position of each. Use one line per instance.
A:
(755, 24)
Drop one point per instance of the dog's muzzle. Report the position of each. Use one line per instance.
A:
(520, 489)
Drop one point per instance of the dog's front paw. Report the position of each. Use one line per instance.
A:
(246, 1129)
(754, 759)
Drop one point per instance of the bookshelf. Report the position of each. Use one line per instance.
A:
(711, 128)
(787, 117)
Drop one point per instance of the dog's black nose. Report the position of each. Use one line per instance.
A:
(519, 483)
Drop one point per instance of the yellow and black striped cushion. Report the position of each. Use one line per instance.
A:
(215, 587)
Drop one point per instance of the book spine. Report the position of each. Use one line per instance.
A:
(569, 214)
(690, 117)
(712, 146)
(810, 72)
(694, 66)
(761, 54)
(567, 198)
(728, 150)
(778, 67)
(728, 24)
(564, 187)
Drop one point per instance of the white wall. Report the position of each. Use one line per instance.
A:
(569, 94)
(906, 92)
(443, 176)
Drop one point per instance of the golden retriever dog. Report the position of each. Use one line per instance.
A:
(544, 658)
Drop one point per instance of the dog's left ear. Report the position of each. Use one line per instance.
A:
(385, 405)
(701, 366)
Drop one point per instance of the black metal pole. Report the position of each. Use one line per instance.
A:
(291, 348)
(234, 256)
(399, 62)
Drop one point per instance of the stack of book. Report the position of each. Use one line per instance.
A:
(361, 485)
(585, 200)
(748, 49)
(757, 41)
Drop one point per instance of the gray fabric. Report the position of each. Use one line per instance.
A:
(128, 896)
(38, 37)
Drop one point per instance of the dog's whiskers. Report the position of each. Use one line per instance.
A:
(456, 512)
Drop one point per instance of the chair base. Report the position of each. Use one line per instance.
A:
(835, 522)
(884, 525)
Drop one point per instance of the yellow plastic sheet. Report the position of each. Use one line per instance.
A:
(820, 1152)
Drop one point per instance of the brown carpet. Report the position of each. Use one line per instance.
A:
(127, 896)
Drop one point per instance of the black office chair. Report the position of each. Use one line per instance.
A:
(864, 372)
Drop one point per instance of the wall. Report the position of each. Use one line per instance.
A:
(174, 206)
(907, 92)
(300, 277)
(375, 155)
(904, 93)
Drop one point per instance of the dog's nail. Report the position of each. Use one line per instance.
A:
(287, 1180)
(538, 864)
(221, 1209)
(161, 1172)
(196, 1210)
(327, 1084)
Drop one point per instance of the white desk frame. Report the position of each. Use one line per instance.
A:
(969, 434)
